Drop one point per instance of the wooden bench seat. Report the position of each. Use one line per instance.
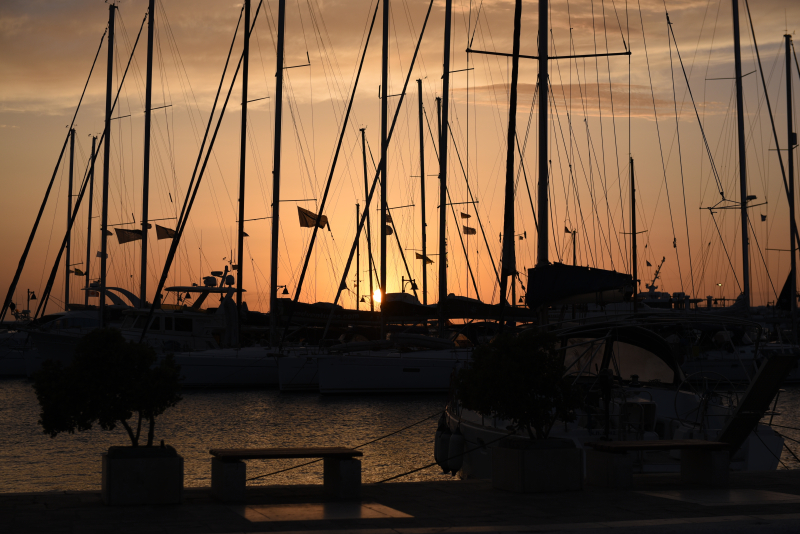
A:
(610, 464)
(341, 470)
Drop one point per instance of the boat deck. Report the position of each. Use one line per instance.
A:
(769, 502)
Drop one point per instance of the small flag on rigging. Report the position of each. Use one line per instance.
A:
(763, 217)
(566, 230)
(78, 272)
(648, 263)
(465, 215)
(428, 261)
(387, 230)
(164, 233)
(308, 219)
(126, 236)
(469, 231)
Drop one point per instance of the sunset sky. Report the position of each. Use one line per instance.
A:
(601, 110)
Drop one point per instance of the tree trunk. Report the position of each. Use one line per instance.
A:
(129, 430)
(151, 432)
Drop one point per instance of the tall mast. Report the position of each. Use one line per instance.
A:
(89, 224)
(544, 219)
(358, 260)
(243, 159)
(443, 122)
(276, 180)
(742, 156)
(633, 239)
(69, 216)
(148, 101)
(369, 233)
(384, 166)
(792, 230)
(509, 262)
(422, 194)
(106, 162)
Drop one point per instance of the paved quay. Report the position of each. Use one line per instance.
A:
(753, 502)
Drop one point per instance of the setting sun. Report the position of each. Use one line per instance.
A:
(377, 296)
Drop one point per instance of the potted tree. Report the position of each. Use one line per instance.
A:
(520, 378)
(111, 382)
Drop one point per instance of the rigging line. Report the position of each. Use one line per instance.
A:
(771, 118)
(694, 105)
(764, 261)
(192, 194)
(658, 133)
(680, 166)
(13, 286)
(330, 178)
(722, 241)
(49, 286)
(381, 165)
(211, 115)
(472, 198)
(395, 232)
(571, 173)
(614, 120)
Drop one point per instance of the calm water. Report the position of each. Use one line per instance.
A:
(31, 461)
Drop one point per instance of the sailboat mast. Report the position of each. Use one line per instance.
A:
(276, 180)
(792, 222)
(148, 102)
(633, 239)
(544, 212)
(89, 224)
(369, 233)
(358, 260)
(106, 161)
(443, 121)
(69, 216)
(509, 263)
(243, 159)
(384, 166)
(422, 194)
(737, 55)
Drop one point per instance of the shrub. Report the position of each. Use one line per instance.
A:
(519, 378)
(109, 380)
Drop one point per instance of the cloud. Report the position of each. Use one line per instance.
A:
(593, 99)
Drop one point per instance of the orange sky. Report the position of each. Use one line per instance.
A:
(46, 49)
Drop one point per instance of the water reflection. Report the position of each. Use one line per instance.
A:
(31, 461)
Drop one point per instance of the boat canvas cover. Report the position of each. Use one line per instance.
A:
(308, 219)
(557, 281)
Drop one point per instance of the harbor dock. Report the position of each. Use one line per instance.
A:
(761, 502)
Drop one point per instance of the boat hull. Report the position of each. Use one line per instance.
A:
(426, 372)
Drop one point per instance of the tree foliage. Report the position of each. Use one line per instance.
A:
(519, 378)
(109, 380)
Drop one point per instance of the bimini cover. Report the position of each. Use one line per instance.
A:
(557, 283)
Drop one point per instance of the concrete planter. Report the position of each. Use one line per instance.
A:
(142, 475)
(544, 466)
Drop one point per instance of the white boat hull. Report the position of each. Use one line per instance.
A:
(247, 367)
(418, 372)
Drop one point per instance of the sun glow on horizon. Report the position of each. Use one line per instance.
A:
(376, 296)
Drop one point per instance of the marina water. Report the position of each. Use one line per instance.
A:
(31, 461)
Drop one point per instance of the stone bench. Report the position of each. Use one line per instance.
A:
(609, 465)
(341, 471)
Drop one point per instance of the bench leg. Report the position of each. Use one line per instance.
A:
(711, 468)
(228, 480)
(608, 470)
(342, 478)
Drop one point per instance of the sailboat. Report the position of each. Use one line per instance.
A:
(626, 362)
